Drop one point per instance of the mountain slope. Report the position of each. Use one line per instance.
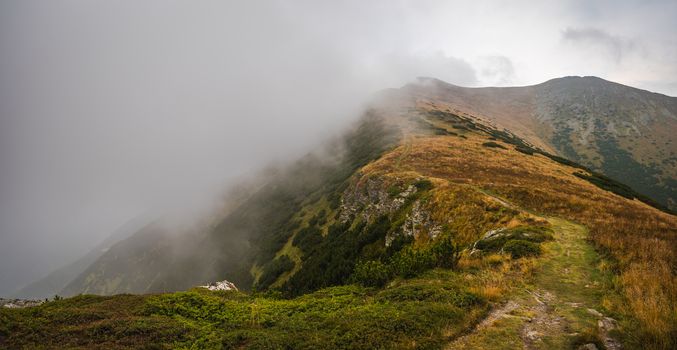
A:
(56, 281)
(412, 250)
(153, 261)
(623, 132)
(438, 215)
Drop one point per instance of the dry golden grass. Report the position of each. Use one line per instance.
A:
(641, 240)
(498, 274)
(491, 292)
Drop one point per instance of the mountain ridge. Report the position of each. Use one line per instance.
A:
(621, 131)
(392, 110)
(406, 231)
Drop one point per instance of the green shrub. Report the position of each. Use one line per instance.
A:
(319, 219)
(334, 201)
(394, 190)
(492, 144)
(426, 291)
(410, 261)
(399, 242)
(372, 273)
(525, 150)
(446, 253)
(423, 185)
(273, 270)
(308, 238)
(535, 234)
(519, 248)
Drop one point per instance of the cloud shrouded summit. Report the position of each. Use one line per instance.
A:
(111, 109)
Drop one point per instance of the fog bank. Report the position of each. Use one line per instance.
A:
(111, 109)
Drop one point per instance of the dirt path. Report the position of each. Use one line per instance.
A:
(560, 309)
(405, 153)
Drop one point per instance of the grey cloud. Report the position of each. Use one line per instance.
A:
(109, 108)
(614, 46)
(404, 67)
(496, 70)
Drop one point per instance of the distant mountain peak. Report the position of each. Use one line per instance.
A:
(624, 132)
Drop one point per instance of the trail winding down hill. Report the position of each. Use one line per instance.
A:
(557, 305)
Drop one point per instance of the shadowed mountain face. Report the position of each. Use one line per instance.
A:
(623, 132)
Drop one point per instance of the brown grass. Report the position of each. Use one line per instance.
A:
(641, 240)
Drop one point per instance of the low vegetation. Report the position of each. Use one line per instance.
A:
(497, 242)
(518, 248)
(419, 313)
(637, 239)
(408, 262)
(492, 144)
(424, 311)
(413, 251)
(273, 270)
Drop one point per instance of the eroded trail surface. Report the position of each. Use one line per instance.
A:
(560, 309)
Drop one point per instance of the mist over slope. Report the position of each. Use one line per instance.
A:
(623, 132)
(55, 282)
(240, 245)
(233, 242)
(112, 109)
(406, 232)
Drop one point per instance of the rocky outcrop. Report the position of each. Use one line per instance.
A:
(222, 285)
(372, 199)
(418, 221)
(19, 303)
(375, 196)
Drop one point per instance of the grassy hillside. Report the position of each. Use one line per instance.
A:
(449, 234)
(623, 132)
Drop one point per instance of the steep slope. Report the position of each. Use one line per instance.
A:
(454, 221)
(250, 232)
(623, 132)
(238, 245)
(56, 281)
(128, 266)
(415, 187)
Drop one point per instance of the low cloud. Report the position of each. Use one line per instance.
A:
(402, 67)
(110, 108)
(614, 47)
(496, 70)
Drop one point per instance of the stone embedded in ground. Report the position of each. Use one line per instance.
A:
(595, 312)
(222, 285)
(589, 346)
(19, 303)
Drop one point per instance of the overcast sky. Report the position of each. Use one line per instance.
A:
(111, 108)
